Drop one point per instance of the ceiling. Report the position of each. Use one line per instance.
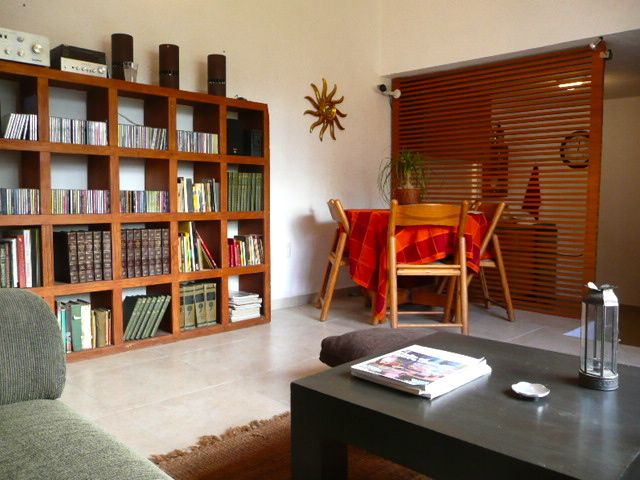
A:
(622, 71)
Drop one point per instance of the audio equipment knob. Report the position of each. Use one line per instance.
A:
(20, 53)
(102, 70)
(7, 51)
(20, 39)
(36, 47)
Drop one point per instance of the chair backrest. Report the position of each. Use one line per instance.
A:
(444, 214)
(338, 214)
(492, 212)
(32, 361)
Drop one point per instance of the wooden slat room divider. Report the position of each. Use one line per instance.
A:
(527, 131)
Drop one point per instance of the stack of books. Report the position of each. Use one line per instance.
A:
(202, 196)
(245, 191)
(143, 314)
(195, 255)
(198, 305)
(20, 258)
(83, 327)
(244, 305)
(82, 256)
(145, 252)
(423, 371)
(20, 126)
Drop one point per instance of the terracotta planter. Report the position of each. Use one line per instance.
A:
(407, 196)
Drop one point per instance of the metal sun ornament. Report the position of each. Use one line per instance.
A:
(325, 109)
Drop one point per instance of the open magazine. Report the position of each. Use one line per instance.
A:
(423, 371)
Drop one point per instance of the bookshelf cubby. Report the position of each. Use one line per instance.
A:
(236, 130)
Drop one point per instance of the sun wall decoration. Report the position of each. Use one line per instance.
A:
(325, 109)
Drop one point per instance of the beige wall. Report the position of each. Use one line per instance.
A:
(274, 49)
(422, 34)
(619, 232)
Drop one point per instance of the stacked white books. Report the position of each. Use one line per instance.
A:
(423, 371)
(244, 305)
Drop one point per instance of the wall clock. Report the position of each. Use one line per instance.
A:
(574, 150)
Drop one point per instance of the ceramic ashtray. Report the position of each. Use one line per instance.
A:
(530, 390)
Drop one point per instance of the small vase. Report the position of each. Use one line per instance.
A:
(407, 196)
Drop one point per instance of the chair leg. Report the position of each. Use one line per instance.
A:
(503, 280)
(325, 276)
(451, 292)
(333, 277)
(485, 288)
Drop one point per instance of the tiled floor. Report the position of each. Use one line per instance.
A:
(165, 397)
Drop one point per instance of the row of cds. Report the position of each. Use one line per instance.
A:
(20, 126)
(144, 201)
(139, 136)
(197, 142)
(72, 202)
(19, 201)
(79, 132)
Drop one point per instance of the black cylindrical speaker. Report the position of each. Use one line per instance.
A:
(169, 65)
(121, 51)
(217, 74)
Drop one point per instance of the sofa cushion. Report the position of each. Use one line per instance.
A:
(350, 346)
(32, 363)
(45, 439)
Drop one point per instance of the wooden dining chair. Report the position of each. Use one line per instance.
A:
(451, 215)
(493, 211)
(337, 257)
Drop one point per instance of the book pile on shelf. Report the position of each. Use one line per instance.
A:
(202, 196)
(197, 305)
(244, 305)
(197, 142)
(76, 131)
(83, 327)
(145, 251)
(139, 136)
(245, 250)
(20, 126)
(82, 256)
(65, 202)
(20, 258)
(423, 371)
(143, 314)
(19, 201)
(194, 253)
(245, 191)
(144, 201)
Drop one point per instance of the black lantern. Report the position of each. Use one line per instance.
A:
(599, 339)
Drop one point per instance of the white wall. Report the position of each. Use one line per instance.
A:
(274, 50)
(619, 229)
(422, 34)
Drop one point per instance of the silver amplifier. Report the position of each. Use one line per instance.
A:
(24, 47)
(82, 66)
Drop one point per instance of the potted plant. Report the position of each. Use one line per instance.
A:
(403, 177)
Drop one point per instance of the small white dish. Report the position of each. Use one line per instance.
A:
(530, 390)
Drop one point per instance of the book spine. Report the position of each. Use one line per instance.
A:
(157, 250)
(144, 252)
(88, 255)
(166, 251)
(97, 255)
(137, 252)
(82, 268)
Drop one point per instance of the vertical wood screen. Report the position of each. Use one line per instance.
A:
(529, 132)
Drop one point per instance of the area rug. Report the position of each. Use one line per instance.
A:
(261, 450)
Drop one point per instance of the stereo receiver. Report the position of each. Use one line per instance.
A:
(24, 47)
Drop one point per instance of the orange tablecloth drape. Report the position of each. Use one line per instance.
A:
(421, 244)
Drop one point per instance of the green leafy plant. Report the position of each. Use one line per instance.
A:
(406, 170)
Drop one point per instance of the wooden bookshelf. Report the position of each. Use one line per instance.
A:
(35, 163)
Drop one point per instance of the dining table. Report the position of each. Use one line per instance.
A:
(367, 247)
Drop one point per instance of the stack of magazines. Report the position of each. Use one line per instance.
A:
(423, 371)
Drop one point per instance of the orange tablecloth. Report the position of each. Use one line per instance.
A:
(368, 248)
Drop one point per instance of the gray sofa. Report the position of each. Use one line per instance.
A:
(40, 437)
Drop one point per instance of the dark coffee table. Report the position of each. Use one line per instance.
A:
(478, 431)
